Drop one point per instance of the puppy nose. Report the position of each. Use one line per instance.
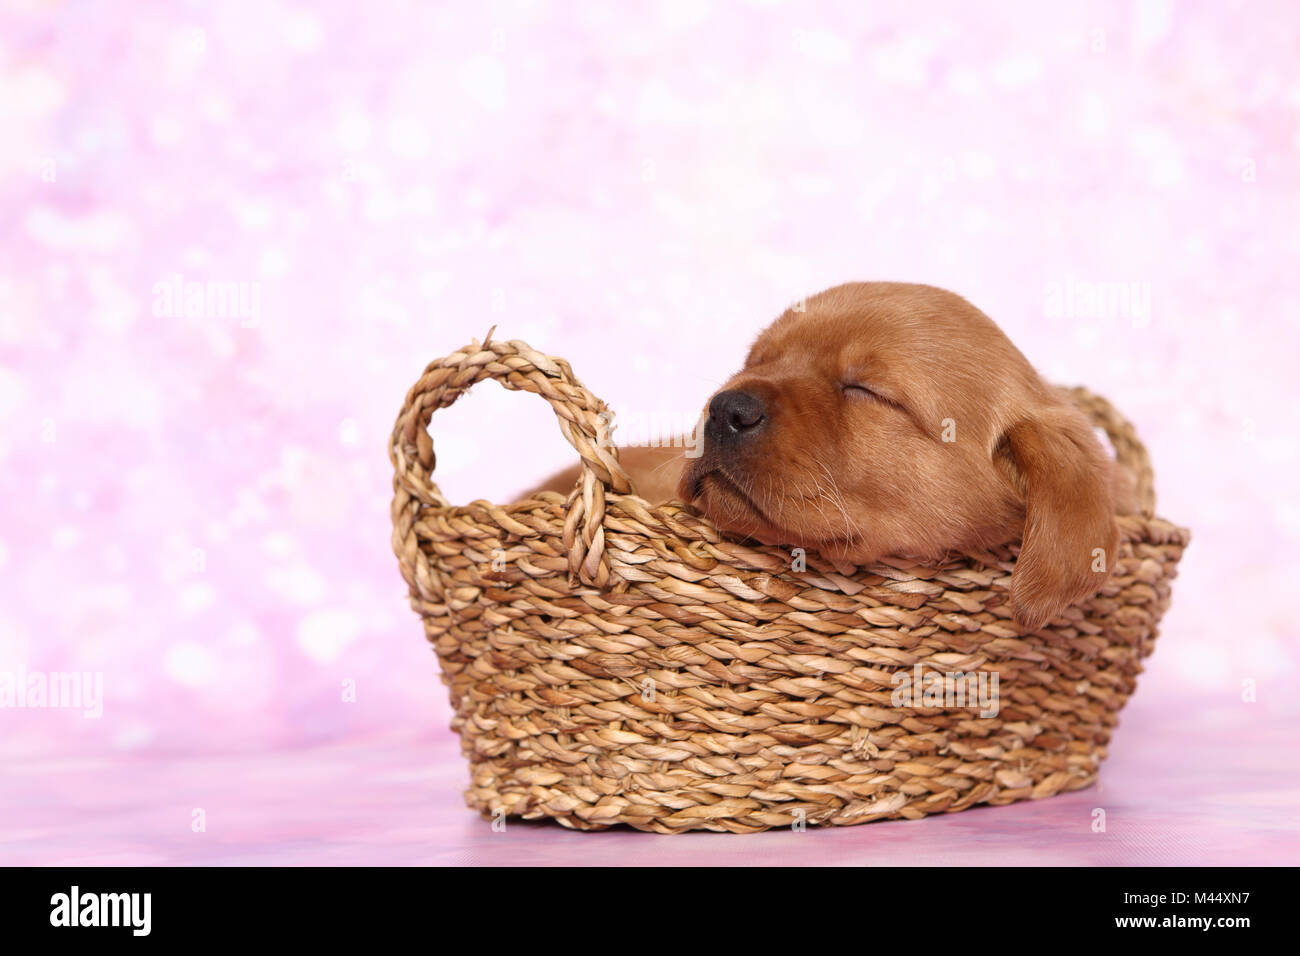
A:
(734, 414)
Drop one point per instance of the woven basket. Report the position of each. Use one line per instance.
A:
(612, 662)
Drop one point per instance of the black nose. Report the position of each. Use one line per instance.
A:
(734, 415)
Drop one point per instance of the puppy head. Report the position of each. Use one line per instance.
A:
(893, 419)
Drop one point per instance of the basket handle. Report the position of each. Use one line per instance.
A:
(517, 366)
(1130, 453)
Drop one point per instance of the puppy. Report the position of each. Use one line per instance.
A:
(886, 418)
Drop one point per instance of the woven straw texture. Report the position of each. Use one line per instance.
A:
(612, 662)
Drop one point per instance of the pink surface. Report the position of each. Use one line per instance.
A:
(392, 800)
(195, 504)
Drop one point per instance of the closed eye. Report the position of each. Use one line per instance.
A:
(858, 391)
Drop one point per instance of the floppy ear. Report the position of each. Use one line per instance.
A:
(1070, 538)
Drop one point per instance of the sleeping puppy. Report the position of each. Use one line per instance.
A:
(884, 419)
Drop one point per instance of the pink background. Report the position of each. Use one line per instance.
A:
(197, 506)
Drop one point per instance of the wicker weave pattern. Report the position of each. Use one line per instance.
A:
(627, 664)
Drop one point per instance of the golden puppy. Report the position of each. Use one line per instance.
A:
(893, 419)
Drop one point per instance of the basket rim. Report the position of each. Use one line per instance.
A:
(1134, 528)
